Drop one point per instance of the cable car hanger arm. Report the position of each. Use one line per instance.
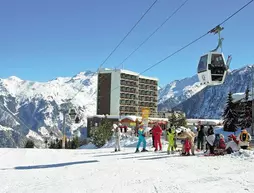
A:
(217, 30)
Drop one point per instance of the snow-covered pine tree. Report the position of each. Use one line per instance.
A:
(100, 135)
(230, 116)
(172, 118)
(247, 110)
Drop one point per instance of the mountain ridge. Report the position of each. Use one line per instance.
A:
(39, 104)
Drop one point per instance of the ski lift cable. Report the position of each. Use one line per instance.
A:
(224, 21)
(192, 42)
(135, 25)
(14, 116)
(157, 29)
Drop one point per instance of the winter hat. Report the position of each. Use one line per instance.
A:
(221, 136)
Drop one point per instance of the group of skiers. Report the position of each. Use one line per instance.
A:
(214, 143)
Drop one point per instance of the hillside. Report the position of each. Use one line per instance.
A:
(209, 101)
(37, 106)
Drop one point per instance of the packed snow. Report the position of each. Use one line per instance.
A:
(100, 170)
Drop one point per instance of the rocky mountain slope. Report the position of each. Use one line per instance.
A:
(209, 102)
(33, 109)
(35, 106)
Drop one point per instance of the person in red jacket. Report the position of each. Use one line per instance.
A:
(157, 131)
(222, 144)
(187, 146)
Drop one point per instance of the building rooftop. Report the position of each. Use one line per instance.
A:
(101, 70)
(240, 96)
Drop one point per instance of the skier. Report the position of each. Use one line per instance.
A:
(222, 144)
(187, 146)
(117, 137)
(219, 144)
(171, 140)
(191, 137)
(157, 131)
(210, 140)
(232, 145)
(201, 135)
(244, 139)
(141, 138)
(151, 132)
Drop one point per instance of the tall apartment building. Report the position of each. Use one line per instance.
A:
(122, 92)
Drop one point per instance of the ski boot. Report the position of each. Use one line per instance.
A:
(115, 150)
(137, 150)
(144, 150)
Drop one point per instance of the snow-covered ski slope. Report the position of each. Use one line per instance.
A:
(99, 170)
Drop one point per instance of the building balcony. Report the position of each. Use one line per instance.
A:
(129, 83)
(128, 102)
(147, 104)
(128, 89)
(147, 87)
(148, 82)
(129, 77)
(128, 109)
(147, 99)
(147, 93)
(128, 96)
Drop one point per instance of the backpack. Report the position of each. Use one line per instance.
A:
(217, 141)
(244, 136)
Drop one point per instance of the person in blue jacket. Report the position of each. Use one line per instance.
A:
(141, 138)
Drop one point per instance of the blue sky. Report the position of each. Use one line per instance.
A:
(42, 40)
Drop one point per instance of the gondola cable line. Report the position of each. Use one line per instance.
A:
(129, 32)
(192, 42)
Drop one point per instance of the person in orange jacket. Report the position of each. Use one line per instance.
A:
(157, 131)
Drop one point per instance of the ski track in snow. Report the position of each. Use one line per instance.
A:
(100, 170)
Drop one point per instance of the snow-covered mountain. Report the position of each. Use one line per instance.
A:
(34, 107)
(178, 91)
(206, 102)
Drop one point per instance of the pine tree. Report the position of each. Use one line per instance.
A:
(29, 144)
(177, 121)
(52, 145)
(230, 116)
(181, 120)
(247, 119)
(173, 119)
(100, 135)
(75, 143)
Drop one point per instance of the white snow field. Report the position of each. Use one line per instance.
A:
(100, 170)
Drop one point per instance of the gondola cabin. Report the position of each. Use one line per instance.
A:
(212, 69)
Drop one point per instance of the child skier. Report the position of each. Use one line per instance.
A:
(171, 140)
(219, 144)
(187, 146)
(222, 144)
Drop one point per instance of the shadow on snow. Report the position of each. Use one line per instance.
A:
(49, 165)
(163, 157)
